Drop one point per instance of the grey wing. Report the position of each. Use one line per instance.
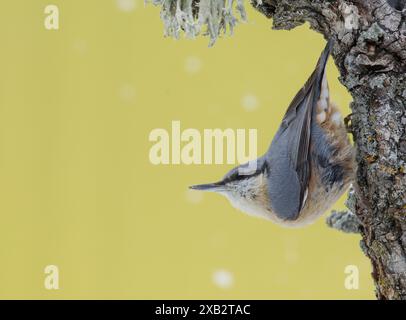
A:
(289, 163)
(289, 156)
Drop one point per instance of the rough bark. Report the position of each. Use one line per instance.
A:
(370, 52)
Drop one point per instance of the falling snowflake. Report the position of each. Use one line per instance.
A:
(193, 65)
(126, 5)
(249, 102)
(193, 196)
(223, 279)
(80, 46)
(126, 93)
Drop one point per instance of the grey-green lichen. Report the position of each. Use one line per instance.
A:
(345, 221)
(207, 17)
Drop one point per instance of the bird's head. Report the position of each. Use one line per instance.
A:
(246, 189)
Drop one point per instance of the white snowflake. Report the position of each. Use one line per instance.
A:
(126, 93)
(194, 196)
(193, 64)
(80, 46)
(126, 5)
(223, 279)
(249, 102)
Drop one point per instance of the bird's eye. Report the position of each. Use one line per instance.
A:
(232, 175)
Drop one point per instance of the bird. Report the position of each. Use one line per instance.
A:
(309, 165)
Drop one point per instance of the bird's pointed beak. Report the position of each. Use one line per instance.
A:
(211, 187)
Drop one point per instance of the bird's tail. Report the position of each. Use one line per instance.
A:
(321, 64)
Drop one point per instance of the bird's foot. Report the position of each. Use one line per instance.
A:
(348, 123)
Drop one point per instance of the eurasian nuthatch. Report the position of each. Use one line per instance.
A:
(308, 166)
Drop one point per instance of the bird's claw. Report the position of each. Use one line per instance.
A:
(348, 123)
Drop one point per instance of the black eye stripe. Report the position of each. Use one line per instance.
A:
(234, 177)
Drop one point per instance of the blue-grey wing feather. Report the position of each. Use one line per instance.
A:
(284, 190)
(289, 156)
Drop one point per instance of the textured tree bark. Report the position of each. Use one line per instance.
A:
(370, 52)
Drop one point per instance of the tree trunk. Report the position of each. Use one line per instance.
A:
(370, 52)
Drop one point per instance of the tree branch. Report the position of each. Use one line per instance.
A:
(344, 221)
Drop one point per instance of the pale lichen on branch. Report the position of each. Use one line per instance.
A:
(206, 17)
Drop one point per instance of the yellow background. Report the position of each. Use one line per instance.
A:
(77, 189)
